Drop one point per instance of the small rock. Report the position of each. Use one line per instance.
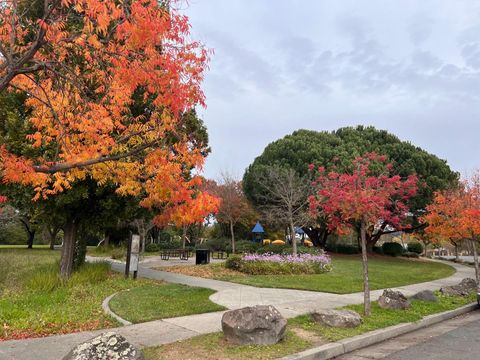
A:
(108, 346)
(425, 295)
(260, 325)
(391, 299)
(337, 318)
(464, 288)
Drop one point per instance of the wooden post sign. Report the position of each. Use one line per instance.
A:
(133, 251)
(134, 254)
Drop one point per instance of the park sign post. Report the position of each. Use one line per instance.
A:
(133, 251)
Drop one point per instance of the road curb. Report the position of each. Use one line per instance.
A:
(108, 311)
(344, 346)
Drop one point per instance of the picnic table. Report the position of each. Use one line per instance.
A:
(182, 254)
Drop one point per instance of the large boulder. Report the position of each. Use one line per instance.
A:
(337, 318)
(464, 288)
(108, 346)
(260, 325)
(391, 299)
(425, 295)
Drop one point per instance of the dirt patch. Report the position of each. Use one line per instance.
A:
(212, 271)
(309, 336)
(215, 347)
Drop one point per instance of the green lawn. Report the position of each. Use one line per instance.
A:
(23, 246)
(346, 276)
(151, 302)
(35, 302)
(382, 318)
(214, 347)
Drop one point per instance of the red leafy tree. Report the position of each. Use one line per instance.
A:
(363, 196)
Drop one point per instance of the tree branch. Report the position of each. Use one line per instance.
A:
(82, 164)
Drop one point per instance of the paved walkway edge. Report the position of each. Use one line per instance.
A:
(108, 311)
(347, 345)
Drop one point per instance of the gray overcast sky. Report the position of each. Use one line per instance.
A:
(410, 67)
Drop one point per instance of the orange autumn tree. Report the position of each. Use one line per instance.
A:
(234, 206)
(193, 210)
(107, 82)
(455, 215)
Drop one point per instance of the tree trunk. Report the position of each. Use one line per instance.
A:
(318, 236)
(370, 243)
(366, 288)
(53, 236)
(456, 252)
(31, 237)
(184, 236)
(372, 239)
(106, 240)
(292, 238)
(30, 233)
(232, 236)
(475, 261)
(68, 248)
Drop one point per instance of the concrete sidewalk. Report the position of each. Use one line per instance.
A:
(289, 302)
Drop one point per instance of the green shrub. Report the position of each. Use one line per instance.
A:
(343, 249)
(275, 249)
(172, 244)
(410, 254)
(415, 247)
(152, 247)
(215, 244)
(234, 262)
(392, 249)
(164, 237)
(244, 246)
(309, 250)
(378, 250)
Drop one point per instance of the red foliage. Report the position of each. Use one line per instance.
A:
(6, 333)
(368, 193)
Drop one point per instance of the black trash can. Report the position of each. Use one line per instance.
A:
(202, 256)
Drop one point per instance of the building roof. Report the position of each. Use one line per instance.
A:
(258, 228)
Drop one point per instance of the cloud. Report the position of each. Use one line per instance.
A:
(243, 68)
(419, 29)
(412, 68)
(471, 54)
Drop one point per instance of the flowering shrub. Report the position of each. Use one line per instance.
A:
(277, 264)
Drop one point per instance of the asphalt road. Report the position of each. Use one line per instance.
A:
(460, 344)
(455, 339)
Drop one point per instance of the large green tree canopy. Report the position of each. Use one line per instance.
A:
(338, 148)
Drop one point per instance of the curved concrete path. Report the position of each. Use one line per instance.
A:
(289, 302)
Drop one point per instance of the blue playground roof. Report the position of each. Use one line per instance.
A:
(258, 228)
(299, 231)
